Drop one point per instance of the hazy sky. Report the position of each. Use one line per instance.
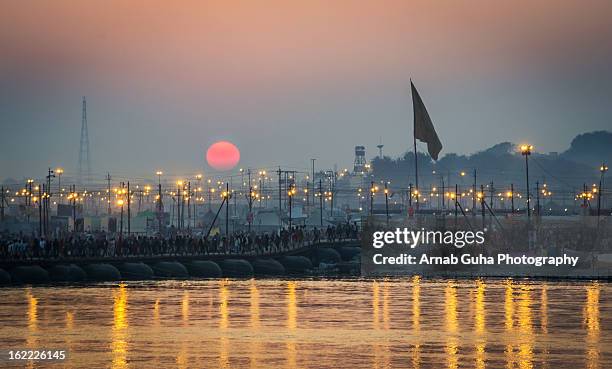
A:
(290, 80)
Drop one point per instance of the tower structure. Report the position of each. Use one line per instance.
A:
(84, 159)
(360, 160)
(380, 147)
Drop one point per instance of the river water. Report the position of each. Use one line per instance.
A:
(404, 323)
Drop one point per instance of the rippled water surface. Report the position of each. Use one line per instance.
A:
(412, 322)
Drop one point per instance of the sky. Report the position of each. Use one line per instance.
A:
(290, 80)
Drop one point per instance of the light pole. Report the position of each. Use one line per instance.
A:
(129, 211)
(59, 172)
(321, 202)
(179, 185)
(120, 203)
(371, 197)
(373, 190)
(537, 208)
(291, 193)
(602, 169)
(526, 151)
(227, 196)
(195, 205)
(410, 195)
(387, 202)
(250, 201)
(313, 180)
(159, 201)
(262, 184)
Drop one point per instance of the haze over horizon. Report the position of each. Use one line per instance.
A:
(290, 81)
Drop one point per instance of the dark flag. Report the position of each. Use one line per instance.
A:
(423, 127)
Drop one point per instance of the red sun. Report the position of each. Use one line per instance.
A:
(223, 155)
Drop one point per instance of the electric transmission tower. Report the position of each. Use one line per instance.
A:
(84, 159)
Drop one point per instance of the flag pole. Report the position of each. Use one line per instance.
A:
(416, 163)
(427, 133)
(416, 174)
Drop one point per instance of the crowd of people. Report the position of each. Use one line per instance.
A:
(102, 244)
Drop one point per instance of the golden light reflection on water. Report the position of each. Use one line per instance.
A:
(224, 296)
(385, 310)
(416, 322)
(185, 308)
(375, 305)
(182, 358)
(291, 306)
(381, 354)
(224, 304)
(32, 313)
(480, 325)
(69, 327)
(416, 302)
(591, 322)
(32, 340)
(451, 325)
(544, 309)
(525, 329)
(292, 316)
(254, 305)
(69, 320)
(518, 322)
(509, 322)
(119, 345)
(156, 313)
(255, 346)
(544, 323)
(509, 305)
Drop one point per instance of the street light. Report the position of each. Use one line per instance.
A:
(120, 204)
(387, 202)
(292, 191)
(602, 169)
(373, 190)
(59, 172)
(526, 151)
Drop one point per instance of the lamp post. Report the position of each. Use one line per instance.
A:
(250, 201)
(602, 169)
(321, 202)
(227, 198)
(129, 211)
(51, 174)
(197, 198)
(159, 201)
(455, 197)
(262, 184)
(537, 208)
(387, 202)
(526, 151)
(372, 190)
(120, 203)
(179, 189)
(291, 193)
(59, 172)
(313, 182)
(410, 195)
